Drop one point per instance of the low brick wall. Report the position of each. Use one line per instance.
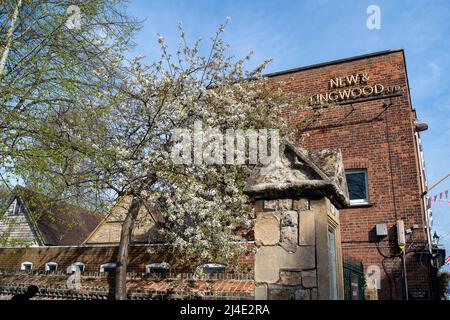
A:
(94, 256)
(96, 286)
(179, 284)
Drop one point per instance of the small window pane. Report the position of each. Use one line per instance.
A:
(357, 186)
(26, 267)
(158, 268)
(74, 266)
(52, 268)
(213, 268)
(16, 208)
(109, 267)
(81, 267)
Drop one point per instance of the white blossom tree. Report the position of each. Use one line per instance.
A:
(119, 142)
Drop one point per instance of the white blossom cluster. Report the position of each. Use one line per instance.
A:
(119, 141)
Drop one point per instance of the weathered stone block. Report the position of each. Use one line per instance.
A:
(289, 218)
(289, 247)
(279, 292)
(309, 279)
(285, 204)
(302, 204)
(307, 228)
(333, 210)
(270, 259)
(291, 277)
(261, 292)
(302, 294)
(289, 235)
(270, 205)
(267, 230)
(314, 294)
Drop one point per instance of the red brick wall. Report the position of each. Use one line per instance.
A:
(362, 131)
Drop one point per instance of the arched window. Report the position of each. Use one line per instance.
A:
(163, 267)
(108, 267)
(51, 266)
(213, 268)
(73, 267)
(26, 266)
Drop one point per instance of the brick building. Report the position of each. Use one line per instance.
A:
(364, 109)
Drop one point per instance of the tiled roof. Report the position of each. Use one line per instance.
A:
(58, 223)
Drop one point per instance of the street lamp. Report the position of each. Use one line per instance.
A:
(435, 238)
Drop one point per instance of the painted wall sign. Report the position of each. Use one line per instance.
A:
(352, 87)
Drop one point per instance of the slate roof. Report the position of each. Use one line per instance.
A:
(57, 223)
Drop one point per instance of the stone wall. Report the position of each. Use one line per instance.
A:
(297, 235)
(287, 264)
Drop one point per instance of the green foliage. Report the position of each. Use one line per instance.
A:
(5, 194)
(51, 69)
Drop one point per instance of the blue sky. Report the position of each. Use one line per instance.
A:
(299, 33)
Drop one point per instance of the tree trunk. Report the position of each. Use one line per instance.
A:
(9, 37)
(122, 255)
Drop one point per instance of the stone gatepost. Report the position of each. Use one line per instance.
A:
(297, 235)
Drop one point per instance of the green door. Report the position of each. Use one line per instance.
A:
(354, 280)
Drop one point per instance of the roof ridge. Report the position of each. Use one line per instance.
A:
(335, 61)
(64, 202)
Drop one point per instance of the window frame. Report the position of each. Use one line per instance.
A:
(16, 209)
(23, 268)
(359, 202)
(73, 267)
(108, 265)
(50, 264)
(164, 267)
(210, 268)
